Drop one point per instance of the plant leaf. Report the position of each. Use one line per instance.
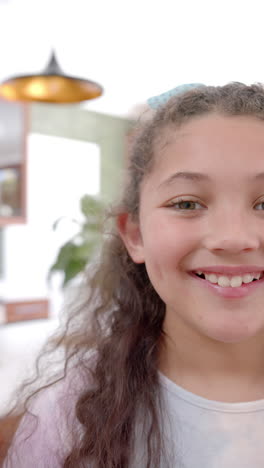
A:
(91, 206)
(75, 254)
(74, 267)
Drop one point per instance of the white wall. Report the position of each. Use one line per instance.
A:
(60, 171)
(135, 49)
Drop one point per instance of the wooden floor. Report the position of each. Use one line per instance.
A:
(8, 427)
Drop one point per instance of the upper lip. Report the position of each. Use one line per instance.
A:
(231, 270)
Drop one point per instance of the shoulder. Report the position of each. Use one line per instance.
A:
(47, 430)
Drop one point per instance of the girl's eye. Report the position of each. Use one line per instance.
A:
(262, 204)
(187, 205)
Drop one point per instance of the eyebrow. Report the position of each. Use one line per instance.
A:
(200, 177)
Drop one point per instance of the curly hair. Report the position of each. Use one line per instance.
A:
(122, 319)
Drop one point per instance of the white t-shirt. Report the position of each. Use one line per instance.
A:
(211, 434)
(199, 433)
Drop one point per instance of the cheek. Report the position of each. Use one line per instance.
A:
(167, 244)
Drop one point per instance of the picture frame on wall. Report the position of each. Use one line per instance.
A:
(13, 135)
(10, 191)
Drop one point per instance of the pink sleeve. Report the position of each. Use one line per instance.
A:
(45, 440)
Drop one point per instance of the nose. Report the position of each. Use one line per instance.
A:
(234, 232)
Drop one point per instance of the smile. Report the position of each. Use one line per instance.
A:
(241, 290)
(230, 280)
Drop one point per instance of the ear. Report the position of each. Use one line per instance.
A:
(129, 231)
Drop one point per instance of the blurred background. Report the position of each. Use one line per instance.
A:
(60, 160)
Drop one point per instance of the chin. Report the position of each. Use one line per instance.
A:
(232, 336)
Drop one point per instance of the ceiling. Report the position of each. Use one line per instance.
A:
(134, 49)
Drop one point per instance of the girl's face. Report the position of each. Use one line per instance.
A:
(219, 222)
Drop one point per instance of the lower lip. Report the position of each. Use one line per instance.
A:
(230, 292)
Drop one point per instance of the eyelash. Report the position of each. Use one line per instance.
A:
(181, 200)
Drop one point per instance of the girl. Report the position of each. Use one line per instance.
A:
(167, 370)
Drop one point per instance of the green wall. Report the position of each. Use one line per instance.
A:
(109, 132)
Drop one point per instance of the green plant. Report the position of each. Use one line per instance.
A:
(76, 253)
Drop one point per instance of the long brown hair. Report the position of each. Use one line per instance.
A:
(122, 319)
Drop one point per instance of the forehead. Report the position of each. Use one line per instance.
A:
(220, 145)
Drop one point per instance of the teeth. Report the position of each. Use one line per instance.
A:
(234, 281)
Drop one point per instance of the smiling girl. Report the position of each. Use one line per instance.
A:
(164, 364)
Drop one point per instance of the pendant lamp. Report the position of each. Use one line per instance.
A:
(51, 86)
